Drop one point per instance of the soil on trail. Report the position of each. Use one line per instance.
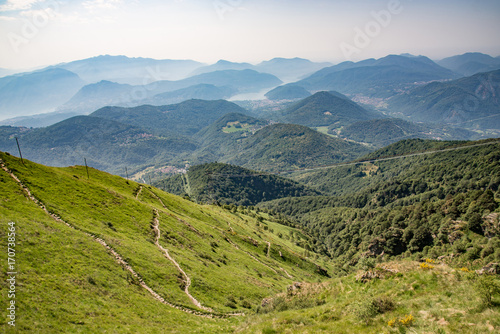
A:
(119, 258)
(187, 280)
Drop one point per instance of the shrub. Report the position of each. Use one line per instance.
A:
(474, 222)
(407, 321)
(370, 308)
(366, 263)
(487, 251)
(473, 253)
(246, 304)
(230, 304)
(486, 287)
(426, 266)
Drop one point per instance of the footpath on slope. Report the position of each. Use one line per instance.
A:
(187, 280)
(227, 238)
(115, 254)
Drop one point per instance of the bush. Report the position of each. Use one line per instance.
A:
(370, 308)
(473, 253)
(474, 222)
(486, 287)
(246, 304)
(230, 304)
(366, 263)
(487, 251)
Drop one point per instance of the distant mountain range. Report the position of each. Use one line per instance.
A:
(470, 102)
(45, 96)
(105, 93)
(97, 95)
(132, 71)
(223, 65)
(286, 69)
(36, 92)
(290, 70)
(4, 72)
(208, 86)
(382, 77)
(243, 80)
(471, 63)
(199, 92)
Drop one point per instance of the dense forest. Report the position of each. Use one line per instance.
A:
(228, 184)
(429, 205)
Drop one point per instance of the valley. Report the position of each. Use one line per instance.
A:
(359, 197)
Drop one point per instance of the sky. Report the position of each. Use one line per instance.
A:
(35, 33)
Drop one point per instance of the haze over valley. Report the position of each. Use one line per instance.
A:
(249, 166)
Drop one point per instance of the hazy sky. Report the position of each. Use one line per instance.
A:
(42, 32)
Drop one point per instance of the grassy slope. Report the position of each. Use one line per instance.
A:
(441, 300)
(66, 278)
(68, 283)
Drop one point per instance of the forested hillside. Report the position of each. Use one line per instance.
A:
(228, 184)
(439, 203)
(288, 146)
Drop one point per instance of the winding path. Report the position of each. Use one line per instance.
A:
(191, 227)
(116, 255)
(138, 192)
(187, 280)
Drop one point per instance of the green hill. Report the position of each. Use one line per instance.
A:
(222, 138)
(105, 143)
(100, 253)
(288, 146)
(223, 183)
(423, 205)
(185, 118)
(388, 297)
(146, 141)
(326, 109)
(95, 252)
(374, 178)
(382, 132)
